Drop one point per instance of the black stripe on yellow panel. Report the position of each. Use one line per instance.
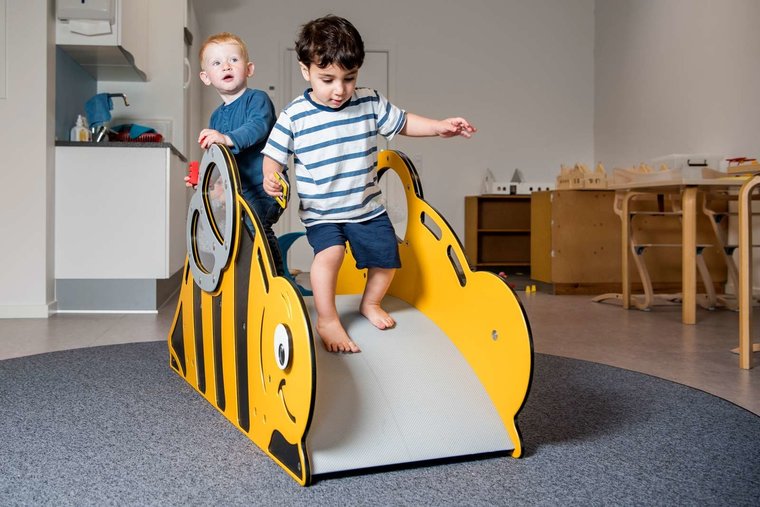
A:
(286, 453)
(216, 320)
(263, 272)
(242, 277)
(200, 363)
(178, 344)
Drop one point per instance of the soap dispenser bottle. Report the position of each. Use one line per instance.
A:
(80, 132)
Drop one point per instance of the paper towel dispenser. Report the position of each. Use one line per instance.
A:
(87, 17)
(86, 9)
(106, 37)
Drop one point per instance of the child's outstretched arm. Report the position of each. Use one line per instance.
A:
(271, 184)
(419, 126)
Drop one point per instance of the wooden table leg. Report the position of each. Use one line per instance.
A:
(689, 255)
(745, 272)
(625, 248)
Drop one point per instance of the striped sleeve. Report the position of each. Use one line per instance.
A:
(280, 143)
(390, 119)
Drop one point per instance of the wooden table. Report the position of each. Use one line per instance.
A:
(745, 268)
(688, 189)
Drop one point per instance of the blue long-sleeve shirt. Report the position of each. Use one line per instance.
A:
(247, 121)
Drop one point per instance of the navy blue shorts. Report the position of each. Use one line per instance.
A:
(373, 242)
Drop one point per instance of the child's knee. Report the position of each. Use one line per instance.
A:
(330, 256)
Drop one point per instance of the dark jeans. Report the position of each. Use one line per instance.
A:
(268, 212)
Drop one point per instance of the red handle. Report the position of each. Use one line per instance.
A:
(192, 170)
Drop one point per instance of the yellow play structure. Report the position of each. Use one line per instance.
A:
(447, 381)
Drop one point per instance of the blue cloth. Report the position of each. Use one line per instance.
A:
(98, 109)
(373, 242)
(134, 129)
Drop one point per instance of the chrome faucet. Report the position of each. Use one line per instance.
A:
(122, 95)
(100, 132)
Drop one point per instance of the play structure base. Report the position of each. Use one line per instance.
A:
(446, 382)
(408, 396)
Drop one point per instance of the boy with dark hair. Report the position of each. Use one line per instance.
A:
(332, 133)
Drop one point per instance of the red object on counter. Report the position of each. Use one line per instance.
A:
(148, 137)
(740, 160)
(192, 171)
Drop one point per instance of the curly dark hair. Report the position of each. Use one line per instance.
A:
(330, 40)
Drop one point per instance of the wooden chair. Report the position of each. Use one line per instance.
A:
(646, 300)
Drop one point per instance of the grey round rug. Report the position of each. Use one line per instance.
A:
(114, 425)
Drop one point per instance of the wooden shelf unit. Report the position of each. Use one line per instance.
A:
(497, 231)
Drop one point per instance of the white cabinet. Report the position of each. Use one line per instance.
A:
(119, 212)
(121, 54)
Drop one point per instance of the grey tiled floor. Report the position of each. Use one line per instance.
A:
(653, 342)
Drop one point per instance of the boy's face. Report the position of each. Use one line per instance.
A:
(225, 68)
(331, 86)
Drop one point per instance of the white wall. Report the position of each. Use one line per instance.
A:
(28, 113)
(545, 81)
(197, 120)
(521, 71)
(676, 76)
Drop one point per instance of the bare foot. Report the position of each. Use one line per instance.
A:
(334, 336)
(377, 316)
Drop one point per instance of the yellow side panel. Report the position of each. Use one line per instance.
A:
(255, 361)
(268, 399)
(478, 311)
(282, 399)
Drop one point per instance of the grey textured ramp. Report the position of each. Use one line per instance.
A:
(408, 396)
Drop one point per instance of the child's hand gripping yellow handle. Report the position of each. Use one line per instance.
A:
(282, 200)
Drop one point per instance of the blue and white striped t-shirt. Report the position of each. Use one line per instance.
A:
(335, 154)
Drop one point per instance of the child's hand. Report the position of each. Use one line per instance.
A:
(272, 185)
(188, 184)
(451, 127)
(207, 137)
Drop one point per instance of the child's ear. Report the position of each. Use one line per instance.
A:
(249, 69)
(304, 70)
(205, 78)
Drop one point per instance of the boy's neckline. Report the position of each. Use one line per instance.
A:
(322, 107)
(245, 90)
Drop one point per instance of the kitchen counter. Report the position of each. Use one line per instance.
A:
(121, 144)
(119, 225)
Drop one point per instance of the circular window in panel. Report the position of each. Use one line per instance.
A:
(394, 200)
(211, 218)
(214, 190)
(202, 244)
